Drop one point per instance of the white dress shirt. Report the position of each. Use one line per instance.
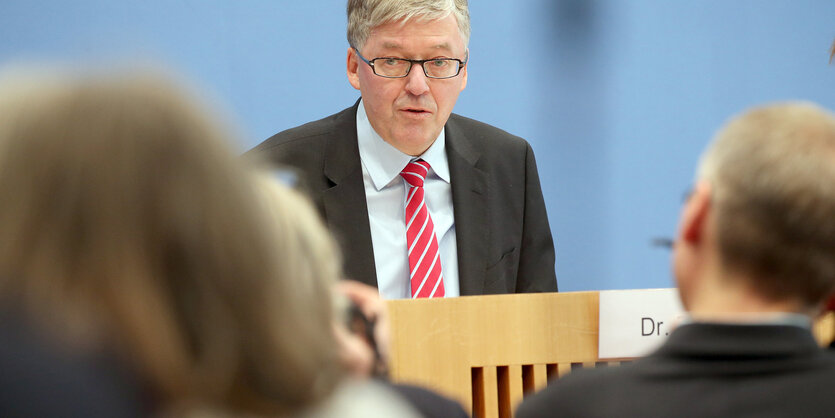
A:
(385, 194)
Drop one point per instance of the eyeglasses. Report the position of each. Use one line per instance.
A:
(665, 242)
(399, 67)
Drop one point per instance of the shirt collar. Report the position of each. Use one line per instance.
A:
(384, 162)
(771, 318)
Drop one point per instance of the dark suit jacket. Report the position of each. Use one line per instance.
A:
(504, 241)
(704, 370)
(428, 403)
(39, 378)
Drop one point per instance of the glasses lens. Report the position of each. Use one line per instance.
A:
(391, 67)
(441, 68)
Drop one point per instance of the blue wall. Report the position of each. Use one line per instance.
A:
(616, 97)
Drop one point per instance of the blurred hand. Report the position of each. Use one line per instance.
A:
(354, 353)
(368, 300)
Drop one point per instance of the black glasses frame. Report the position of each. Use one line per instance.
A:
(666, 242)
(370, 63)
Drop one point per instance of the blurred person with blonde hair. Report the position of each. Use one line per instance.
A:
(303, 237)
(131, 234)
(363, 349)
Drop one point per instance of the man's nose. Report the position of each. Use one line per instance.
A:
(416, 81)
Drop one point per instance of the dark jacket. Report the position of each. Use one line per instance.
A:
(504, 241)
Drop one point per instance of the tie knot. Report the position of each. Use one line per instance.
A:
(415, 172)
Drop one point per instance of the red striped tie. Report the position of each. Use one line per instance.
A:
(424, 259)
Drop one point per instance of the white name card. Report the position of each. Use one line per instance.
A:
(635, 322)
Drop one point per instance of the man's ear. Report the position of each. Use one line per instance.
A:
(352, 63)
(695, 214)
(690, 244)
(464, 71)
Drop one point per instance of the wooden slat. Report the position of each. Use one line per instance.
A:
(534, 378)
(491, 394)
(516, 390)
(564, 369)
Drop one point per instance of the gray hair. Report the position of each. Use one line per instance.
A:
(365, 15)
(772, 172)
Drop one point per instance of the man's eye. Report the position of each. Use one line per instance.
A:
(440, 63)
(392, 62)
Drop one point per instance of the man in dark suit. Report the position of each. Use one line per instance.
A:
(475, 221)
(754, 261)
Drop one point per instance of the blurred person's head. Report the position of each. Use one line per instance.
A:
(304, 237)
(408, 103)
(758, 231)
(128, 224)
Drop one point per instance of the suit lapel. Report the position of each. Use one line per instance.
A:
(469, 200)
(344, 202)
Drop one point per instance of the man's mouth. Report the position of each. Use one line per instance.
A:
(415, 110)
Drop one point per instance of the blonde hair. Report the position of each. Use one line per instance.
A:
(772, 172)
(365, 15)
(304, 241)
(128, 222)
